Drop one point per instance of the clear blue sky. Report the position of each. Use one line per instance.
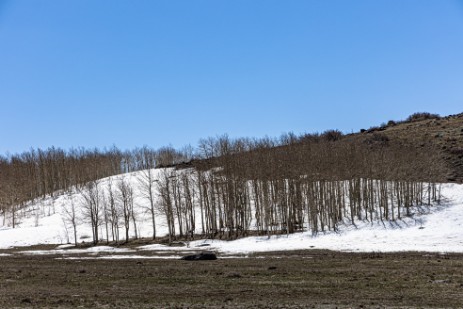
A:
(97, 73)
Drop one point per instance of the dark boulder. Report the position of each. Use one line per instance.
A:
(200, 257)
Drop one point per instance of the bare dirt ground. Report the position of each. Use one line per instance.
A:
(303, 279)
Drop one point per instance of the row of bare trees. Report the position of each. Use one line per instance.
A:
(314, 183)
(108, 204)
(39, 173)
(229, 187)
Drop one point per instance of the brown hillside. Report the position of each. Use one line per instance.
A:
(426, 132)
(443, 134)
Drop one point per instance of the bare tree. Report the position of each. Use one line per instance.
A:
(147, 181)
(70, 216)
(91, 206)
(164, 186)
(114, 213)
(125, 192)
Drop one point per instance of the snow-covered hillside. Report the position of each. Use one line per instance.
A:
(433, 229)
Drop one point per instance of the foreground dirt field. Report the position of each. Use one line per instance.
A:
(308, 279)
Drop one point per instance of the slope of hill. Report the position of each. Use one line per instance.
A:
(439, 138)
(430, 134)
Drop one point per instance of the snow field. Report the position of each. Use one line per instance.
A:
(430, 229)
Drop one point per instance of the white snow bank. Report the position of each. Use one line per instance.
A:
(50, 231)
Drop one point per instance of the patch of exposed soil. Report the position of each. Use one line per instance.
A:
(302, 279)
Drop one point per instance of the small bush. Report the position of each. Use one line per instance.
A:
(332, 135)
(310, 138)
(373, 129)
(422, 116)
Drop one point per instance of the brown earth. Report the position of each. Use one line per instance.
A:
(303, 279)
(444, 135)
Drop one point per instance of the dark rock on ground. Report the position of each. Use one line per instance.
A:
(200, 257)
